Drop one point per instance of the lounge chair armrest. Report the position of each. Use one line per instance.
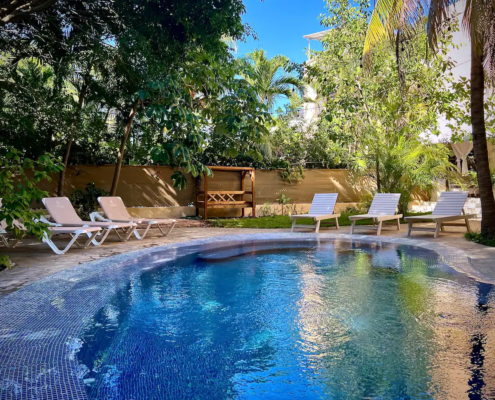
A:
(96, 216)
(45, 220)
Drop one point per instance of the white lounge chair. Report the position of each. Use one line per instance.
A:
(75, 232)
(116, 211)
(321, 209)
(383, 208)
(450, 207)
(62, 212)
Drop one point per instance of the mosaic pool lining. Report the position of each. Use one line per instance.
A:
(41, 323)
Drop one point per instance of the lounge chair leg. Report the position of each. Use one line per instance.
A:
(437, 229)
(468, 225)
(442, 228)
(95, 242)
(317, 226)
(352, 227)
(398, 224)
(127, 233)
(11, 243)
(337, 223)
(139, 235)
(379, 230)
(409, 228)
(48, 240)
(293, 225)
(84, 245)
(168, 232)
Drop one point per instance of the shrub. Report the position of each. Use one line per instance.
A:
(19, 177)
(480, 238)
(86, 201)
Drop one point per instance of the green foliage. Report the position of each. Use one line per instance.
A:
(281, 221)
(224, 109)
(473, 178)
(167, 60)
(18, 179)
(283, 201)
(298, 145)
(5, 263)
(272, 78)
(85, 202)
(380, 116)
(266, 210)
(480, 238)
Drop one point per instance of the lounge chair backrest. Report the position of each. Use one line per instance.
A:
(450, 203)
(384, 204)
(114, 208)
(323, 203)
(61, 210)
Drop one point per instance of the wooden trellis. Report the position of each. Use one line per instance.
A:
(206, 199)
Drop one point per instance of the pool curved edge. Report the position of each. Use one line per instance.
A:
(40, 323)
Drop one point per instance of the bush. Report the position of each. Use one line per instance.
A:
(85, 202)
(480, 238)
(5, 263)
(19, 177)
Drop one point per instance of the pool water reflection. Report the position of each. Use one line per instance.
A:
(335, 320)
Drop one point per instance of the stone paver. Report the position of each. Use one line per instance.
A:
(35, 260)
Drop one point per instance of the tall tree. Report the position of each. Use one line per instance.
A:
(378, 117)
(12, 11)
(398, 22)
(163, 36)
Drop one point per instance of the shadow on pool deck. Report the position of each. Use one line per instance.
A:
(35, 260)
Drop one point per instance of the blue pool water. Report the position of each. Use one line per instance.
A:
(333, 320)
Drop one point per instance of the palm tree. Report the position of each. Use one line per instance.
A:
(271, 78)
(399, 20)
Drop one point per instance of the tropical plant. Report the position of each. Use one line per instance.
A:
(86, 202)
(407, 166)
(5, 262)
(400, 22)
(272, 78)
(283, 201)
(133, 71)
(19, 177)
(378, 118)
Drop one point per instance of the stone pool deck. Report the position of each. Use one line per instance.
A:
(35, 260)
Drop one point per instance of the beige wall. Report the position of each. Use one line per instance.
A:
(152, 186)
(138, 186)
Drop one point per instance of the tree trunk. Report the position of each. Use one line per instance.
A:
(61, 177)
(123, 142)
(80, 102)
(480, 144)
(378, 179)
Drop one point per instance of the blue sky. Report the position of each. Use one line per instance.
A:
(281, 25)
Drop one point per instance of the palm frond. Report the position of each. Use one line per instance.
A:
(395, 22)
(271, 78)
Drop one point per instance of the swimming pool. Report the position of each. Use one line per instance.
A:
(300, 318)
